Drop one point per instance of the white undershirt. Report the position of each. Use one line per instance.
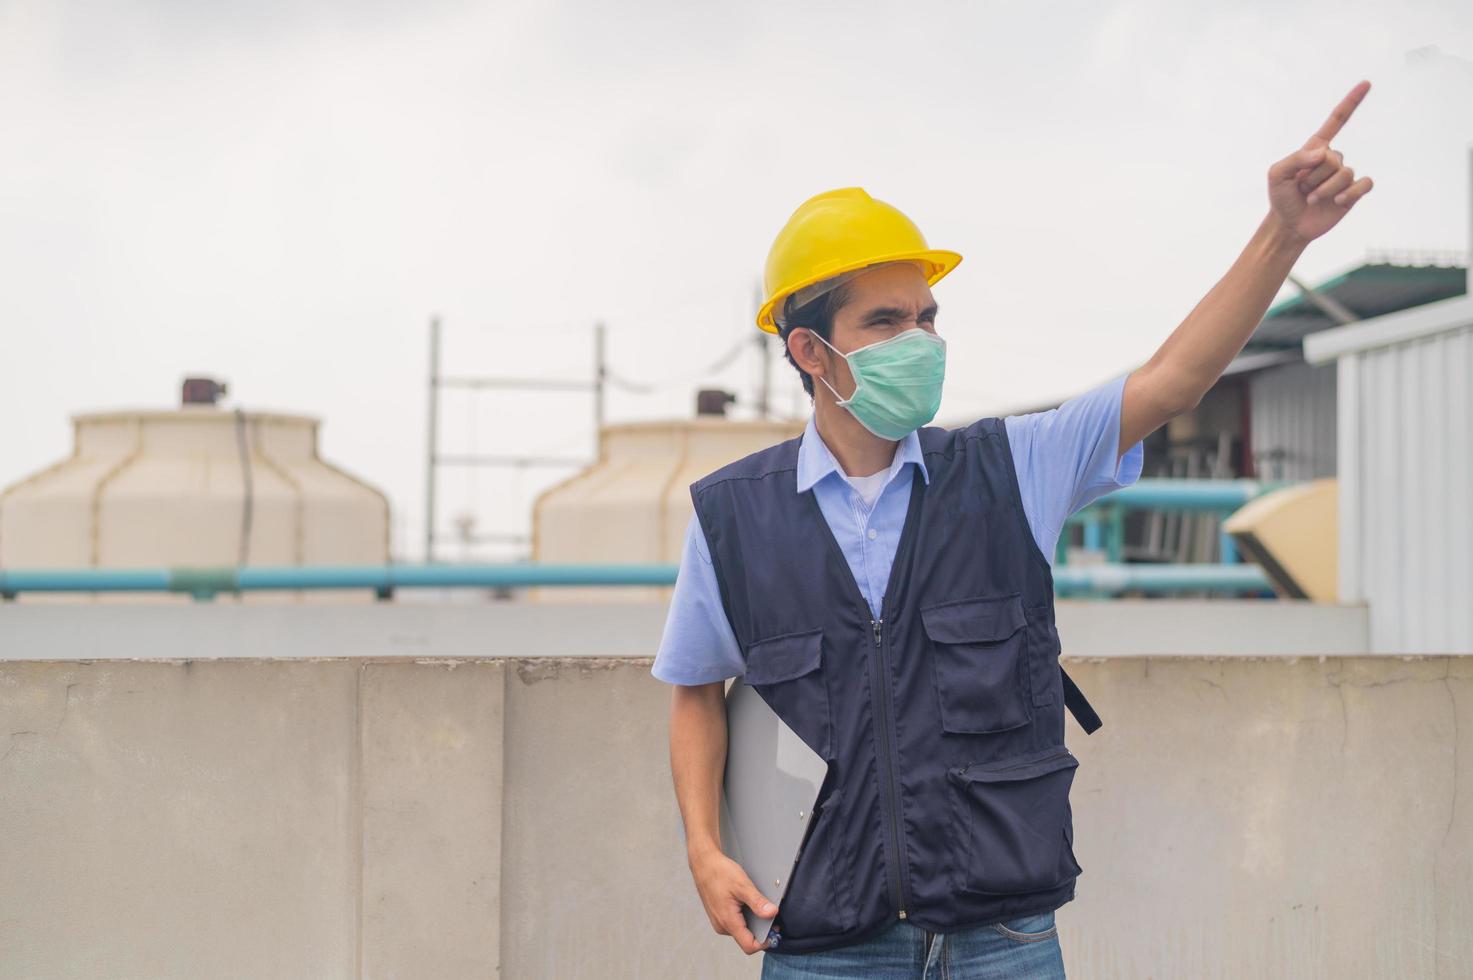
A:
(869, 487)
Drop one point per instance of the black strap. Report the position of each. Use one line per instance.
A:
(1078, 704)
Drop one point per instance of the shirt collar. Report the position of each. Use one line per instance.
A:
(815, 461)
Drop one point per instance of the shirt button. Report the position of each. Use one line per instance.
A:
(873, 534)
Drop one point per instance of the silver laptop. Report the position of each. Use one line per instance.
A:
(772, 780)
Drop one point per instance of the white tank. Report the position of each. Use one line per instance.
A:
(633, 504)
(195, 486)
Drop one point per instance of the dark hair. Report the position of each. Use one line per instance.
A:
(817, 316)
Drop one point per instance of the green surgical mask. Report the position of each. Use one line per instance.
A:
(897, 382)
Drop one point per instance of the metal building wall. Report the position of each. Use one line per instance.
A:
(1292, 408)
(1406, 453)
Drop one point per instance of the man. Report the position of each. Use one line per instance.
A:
(885, 586)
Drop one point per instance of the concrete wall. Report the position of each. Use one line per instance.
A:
(496, 801)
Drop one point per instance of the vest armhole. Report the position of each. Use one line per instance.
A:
(717, 570)
(1016, 491)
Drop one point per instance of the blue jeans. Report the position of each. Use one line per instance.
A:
(1024, 948)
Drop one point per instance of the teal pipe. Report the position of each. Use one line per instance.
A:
(1114, 579)
(1165, 493)
(1115, 534)
(1227, 547)
(1092, 531)
(205, 583)
(1106, 516)
(510, 575)
(84, 580)
(1170, 493)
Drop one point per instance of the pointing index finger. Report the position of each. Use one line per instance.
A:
(1331, 126)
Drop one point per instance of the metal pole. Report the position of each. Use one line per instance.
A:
(1325, 304)
(600, 377)
(764, 397)
(432, 439)
(764, 406)
(206, 583)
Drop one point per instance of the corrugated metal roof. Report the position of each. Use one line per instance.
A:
(1369, 290)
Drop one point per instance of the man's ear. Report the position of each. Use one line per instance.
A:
(805, 350)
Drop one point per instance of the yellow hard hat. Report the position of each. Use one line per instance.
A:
(840, 231)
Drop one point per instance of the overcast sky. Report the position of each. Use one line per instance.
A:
(279, 194)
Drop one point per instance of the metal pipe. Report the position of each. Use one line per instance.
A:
(529, 384)
(1324, 302)
(503, 460)
(1114, 579)
(600, 381)
(508, 575)
(1171, 493)
(13, 581)
(432, 440)
(202, 582)
(205, 582)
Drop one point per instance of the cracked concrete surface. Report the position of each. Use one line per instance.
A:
(66, 704)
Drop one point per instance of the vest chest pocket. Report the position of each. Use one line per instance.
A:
(1013, 823)
(978, 663)
(787, 670)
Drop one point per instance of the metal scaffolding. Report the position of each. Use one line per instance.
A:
(435, 459)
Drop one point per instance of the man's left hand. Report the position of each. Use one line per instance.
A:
(1310, 190)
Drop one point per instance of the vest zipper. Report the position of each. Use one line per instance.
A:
(904, 556)
(883, 688)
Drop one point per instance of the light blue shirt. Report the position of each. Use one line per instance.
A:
(1065, 458)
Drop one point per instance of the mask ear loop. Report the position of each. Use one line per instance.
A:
(839, 399)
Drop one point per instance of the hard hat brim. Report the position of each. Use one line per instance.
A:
(940, 260)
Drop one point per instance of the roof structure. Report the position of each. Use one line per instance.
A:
(1386, 283)
(1369, 290)
(1395, 328)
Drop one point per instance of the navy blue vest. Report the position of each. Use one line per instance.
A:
(946, 801)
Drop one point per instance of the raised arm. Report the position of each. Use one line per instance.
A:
(1309, 191)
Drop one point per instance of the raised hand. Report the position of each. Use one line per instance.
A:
(1311, 189)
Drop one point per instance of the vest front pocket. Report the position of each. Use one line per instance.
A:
(819, 900)
(787, 671)
(1043, 656)
(978, 663)
(1013, 823)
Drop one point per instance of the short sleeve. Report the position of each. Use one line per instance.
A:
(1066, 458)
(698, 646)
